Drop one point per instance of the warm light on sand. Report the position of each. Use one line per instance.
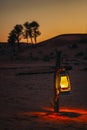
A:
(65, 114)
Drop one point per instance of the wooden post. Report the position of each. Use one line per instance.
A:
(57, 66)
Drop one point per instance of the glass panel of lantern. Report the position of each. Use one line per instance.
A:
(64, 81)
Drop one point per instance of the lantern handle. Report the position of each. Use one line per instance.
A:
(67, 68)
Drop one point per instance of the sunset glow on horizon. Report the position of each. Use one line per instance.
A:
(55, 17)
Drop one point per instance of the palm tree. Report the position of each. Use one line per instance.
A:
(12, 37)
(15, 36)
(28, 31)
(18, 31)
(35, 31)
(12, 40)
(26, 35)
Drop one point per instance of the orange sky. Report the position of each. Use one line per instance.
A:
(54, 16)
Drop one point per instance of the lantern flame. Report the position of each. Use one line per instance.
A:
(64, 82)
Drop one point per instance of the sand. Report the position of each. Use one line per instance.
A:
(26, 99)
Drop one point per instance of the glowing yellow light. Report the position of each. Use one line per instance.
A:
(64, 82)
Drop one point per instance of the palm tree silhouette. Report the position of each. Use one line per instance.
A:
(35, 31)
(18, 30)
(12, 37)
(16, 34)
(27, 31)
(31, 31)
(12, 41)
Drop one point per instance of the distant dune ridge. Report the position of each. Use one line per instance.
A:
(46, 50)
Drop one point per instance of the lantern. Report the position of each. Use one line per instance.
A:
(64, 81)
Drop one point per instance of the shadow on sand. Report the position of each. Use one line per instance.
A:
(70, 114)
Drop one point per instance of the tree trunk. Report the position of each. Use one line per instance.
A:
(56, 90)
